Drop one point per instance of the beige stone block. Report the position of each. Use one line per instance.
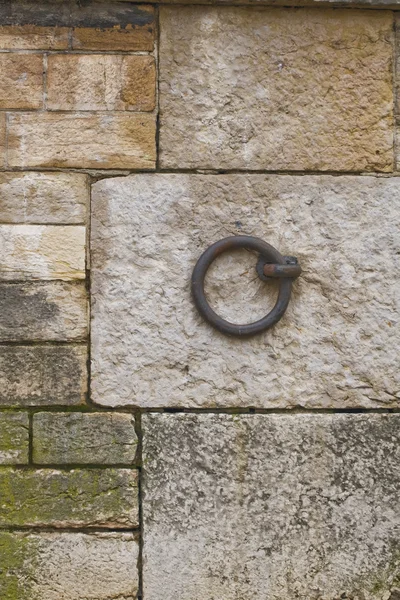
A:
(2, 138)
(265, 88)
(102, 141)
(14, 438)
(21, 80)
(42, 252)
(43, 311)
(337, 345)
(101, 82)
(71, 566)
(33, 37)
(48, 198)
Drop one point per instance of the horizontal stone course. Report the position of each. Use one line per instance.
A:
(80, 438)
(77, 498)
(21, 80)
(14, 438)
(33, 37)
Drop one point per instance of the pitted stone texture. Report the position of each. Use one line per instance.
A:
(299, 507)
(14, 438)
(338, 343)
(248, 88)
(71, 566)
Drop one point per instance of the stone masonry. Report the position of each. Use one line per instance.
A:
(144, 455)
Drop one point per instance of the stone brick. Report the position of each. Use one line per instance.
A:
(14, 438)
(48, 198)
(43, 311)
(337, 345)
(2, 138)
(101, 82)
(33, 37)
(42, 252)
(274, 89)
(104, 141)
(43, 375)
(95, 438)
(71, 566)
(271, 506)
(21, 80)
(77, 498)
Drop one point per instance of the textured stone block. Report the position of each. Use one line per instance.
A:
(21, 80)
(33, 37)
(72, 566)
(43, 375)
(274, 89)
(77, 498)
(2, 138)
(338, 343)
(42, 252)
(104, 141)
(95, 438)
(101, 82)
(48, 198)
(43, 311)
(14, 438)
(271, 506)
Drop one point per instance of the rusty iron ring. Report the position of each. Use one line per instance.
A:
(271, 264)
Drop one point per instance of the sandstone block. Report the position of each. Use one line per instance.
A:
(271, 506)
(42, 252)
(2, 138)
(14, 438)
(103, 141)
(48, 198)
(337, 345)
(254, 88)
(43, 311)
(77, 498)
(33, 37)
(101, 82)
(21, 80)
(95, 438)
(43, 375)
(71, 566)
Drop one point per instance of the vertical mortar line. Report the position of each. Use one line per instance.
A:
(45, 68)
(139, 465)
(157, 56)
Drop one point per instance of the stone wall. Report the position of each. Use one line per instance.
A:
(147, 456)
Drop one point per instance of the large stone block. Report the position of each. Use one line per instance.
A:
(76, 498)
(33, 37)
(338, 343)
(271, 506)
(94, 438)
(14, 438)
(43, 311)
(253, 88)
(42, 252)
(43, 375)
(48, 198)
(21, 80)
(91, 141)
(71, 566)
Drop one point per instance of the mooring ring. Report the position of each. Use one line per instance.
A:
(270, 258)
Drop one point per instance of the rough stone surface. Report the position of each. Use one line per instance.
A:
(395, 4)
(21, 80)
(101, 82)
(102, 141)
(33, 37)
(71, 566)
(43, 311)
(76, 498)
(337, 345)
(95, 438)
(14, 438)
(42, 252)
(271, 506)
(43, 375)
(48, 198)
(2, 138)
(276, 89)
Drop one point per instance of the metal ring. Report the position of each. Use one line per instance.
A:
(270, 255)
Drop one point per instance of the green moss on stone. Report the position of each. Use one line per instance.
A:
(18, 561)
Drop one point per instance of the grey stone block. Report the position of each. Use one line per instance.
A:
(14, 438)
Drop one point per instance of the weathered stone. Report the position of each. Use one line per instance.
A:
(275, 89)
(71, 566)
(48, 198)
(43, 311)
(14, 438)
(101, 82)
(77, 498)
(395, 4)
(43, 375)
(338, 343)
(2, 138)
(21, 80)
(102, 141)
(94, 438)
(42, 252)
(271, 506)
(33, 37)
